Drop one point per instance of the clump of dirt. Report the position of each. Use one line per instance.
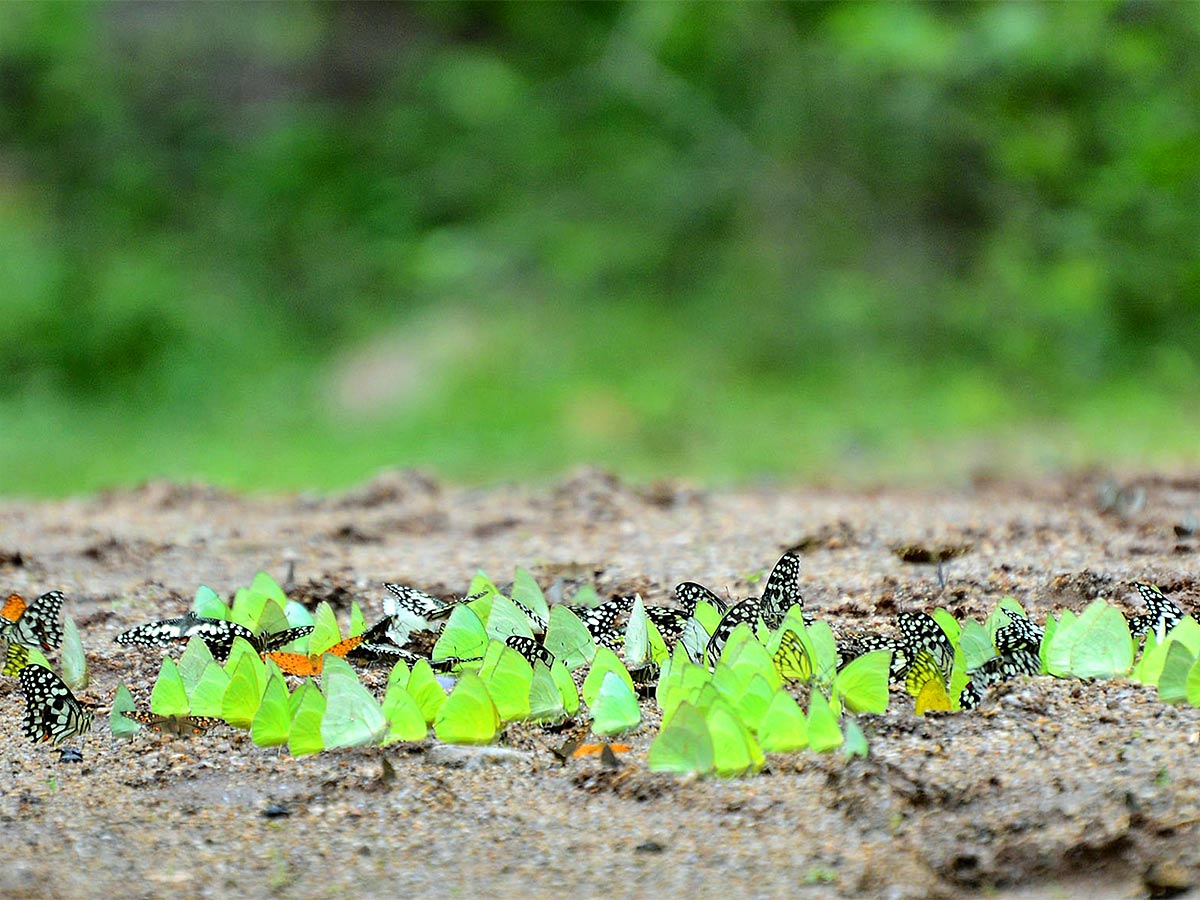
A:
(1052, 786)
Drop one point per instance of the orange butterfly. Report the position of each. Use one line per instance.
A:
(312, 663)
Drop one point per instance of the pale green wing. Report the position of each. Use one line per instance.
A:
(615, 708)
(169, 698)
(468, 716)
(683, 744)
(783, 727)
(568, 639)
(272, 722)
(74, 662)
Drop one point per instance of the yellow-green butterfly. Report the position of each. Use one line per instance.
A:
(792, 661)
(927, 683)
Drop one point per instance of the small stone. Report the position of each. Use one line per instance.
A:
(649, 847)
(275, 810)
(1168, 879)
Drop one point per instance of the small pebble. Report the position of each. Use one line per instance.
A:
(1168, 879)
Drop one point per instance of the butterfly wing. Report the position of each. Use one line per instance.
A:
(295, 663)
(859, 645)
(745, 611)
(415, 602)
(218, 634)
(995, 670)
(1163, 612)
(530, 649)
(16, 657)
(341, 648)
(792, 660)
(669, 622)
(688, 593)
(602, 619)
(277, 639)
(182, 726)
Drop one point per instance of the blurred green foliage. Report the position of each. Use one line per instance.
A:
(287, 244)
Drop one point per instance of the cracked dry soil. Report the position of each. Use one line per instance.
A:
(1052, 788)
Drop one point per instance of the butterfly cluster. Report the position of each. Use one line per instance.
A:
(520, 656)
(52, 712)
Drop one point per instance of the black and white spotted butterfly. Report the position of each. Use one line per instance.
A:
(602, 621)
(268, 641)
(782, 592)
(747, 611)
(539, 624)
(219, 634)
(920, 631)
(35, 624)
(420, 604)
(1021, 633)
(669, 622)
(1163, 613)
(996, 670)
(688, 593)
(530, 649)
(51, 711)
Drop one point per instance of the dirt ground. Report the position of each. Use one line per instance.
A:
(1053, 788)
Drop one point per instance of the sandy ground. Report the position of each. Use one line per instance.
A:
(1052, 788)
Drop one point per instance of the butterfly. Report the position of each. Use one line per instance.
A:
(312, 663)
(791, 660)
(601, 621)
(51, 711)
(180, 726)
(34, 624)
(745, 611)
(782, 592)
(688, 593)
(16, 658)
(419, 603)
(645, 678)
(1021, 633)
(539, 624)
(1164, 613)
(669, 622)
(219, 634)
(995, 670)
(267, 641)
(919, 632)
(857, 645)
(926, 681)
(530, 649)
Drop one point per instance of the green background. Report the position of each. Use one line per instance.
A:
(287, 245)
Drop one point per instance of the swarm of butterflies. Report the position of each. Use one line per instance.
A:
(923, 648)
